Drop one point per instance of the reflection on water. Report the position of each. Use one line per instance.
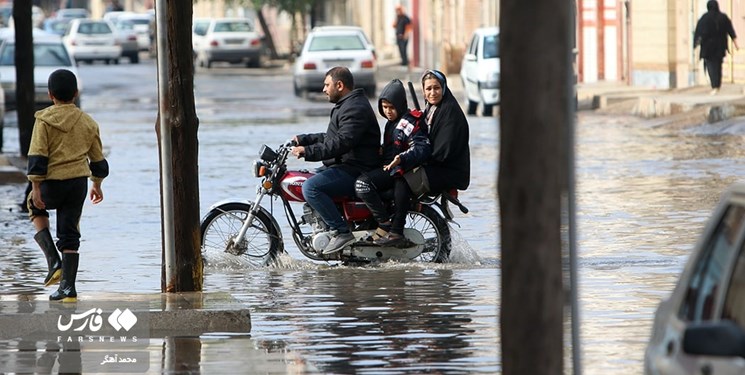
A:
(396, 316)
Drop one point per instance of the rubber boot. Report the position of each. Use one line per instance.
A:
(54, 263)
(66, 291)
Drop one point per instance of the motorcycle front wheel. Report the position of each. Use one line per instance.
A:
(436, 232)
(259, 247)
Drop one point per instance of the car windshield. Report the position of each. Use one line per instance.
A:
(491, 46)
(94, 28)
(125, 25)
(335, 42)
(234, 27)
(139, 21)
(44, 55)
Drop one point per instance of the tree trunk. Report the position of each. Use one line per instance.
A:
(534, 121)
(268, 39)
(177, 105)
(24, 61)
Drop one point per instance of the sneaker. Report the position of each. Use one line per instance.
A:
(714, 91)
(338, 242)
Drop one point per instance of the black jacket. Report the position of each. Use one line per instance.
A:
(407, 135)
(711, 33)
(352, 139)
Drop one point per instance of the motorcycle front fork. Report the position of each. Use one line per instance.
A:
(233, 243)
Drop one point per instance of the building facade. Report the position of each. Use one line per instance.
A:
(649, 42)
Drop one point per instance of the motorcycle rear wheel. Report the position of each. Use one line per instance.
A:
(436, 232)
(261, 244)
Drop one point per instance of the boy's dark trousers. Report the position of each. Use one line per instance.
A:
(67, 198)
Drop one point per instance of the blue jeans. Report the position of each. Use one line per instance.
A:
(320, 190)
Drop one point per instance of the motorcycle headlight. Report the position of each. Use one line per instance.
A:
(492, 81)
(260, 168)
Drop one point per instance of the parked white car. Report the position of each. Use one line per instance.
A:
(700, 327)
(127, 36)
(50, 54)
(141, 24)
(232, 40)
(90, 40)
(480, 71)
(328, 46)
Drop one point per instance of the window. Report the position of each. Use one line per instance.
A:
(491, 46)
(473, 47)
(698, 303)
(234, 27)
(44, 55)
(91, 28)
(201, 28)
(734, 301)
(336, 42)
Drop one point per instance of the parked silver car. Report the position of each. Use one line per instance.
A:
(700, 327)
(232, 40)
(330, 46)
(50, 54)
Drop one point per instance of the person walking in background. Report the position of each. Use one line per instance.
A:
(349, 147)
(65, 150)
(711, 34)
(403, 29)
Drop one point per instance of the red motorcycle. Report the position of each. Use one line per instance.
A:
(249, 230)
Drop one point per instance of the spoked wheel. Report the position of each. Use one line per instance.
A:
(436, 234)
(259, 247)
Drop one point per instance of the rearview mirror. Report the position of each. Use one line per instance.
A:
(721, 339)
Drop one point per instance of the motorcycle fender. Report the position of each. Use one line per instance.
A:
(226, 201)
(244, 201)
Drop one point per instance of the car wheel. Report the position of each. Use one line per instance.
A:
(116, 61)
(472, 106)
(296, 90)
(208, 64)
(370, 91)
(134, 58)
(107, 61)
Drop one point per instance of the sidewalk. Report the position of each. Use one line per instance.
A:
(679, 107)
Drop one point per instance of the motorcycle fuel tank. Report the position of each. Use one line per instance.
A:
(292, 185)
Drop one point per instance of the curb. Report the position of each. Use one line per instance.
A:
(11, 171)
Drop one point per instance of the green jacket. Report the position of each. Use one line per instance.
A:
(65, 144)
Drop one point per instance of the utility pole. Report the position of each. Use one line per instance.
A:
(176, 129)
(536, 114)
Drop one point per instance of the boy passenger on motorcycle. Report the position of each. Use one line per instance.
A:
(405, 146)
(348, 148)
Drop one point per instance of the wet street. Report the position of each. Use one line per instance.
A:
(644, 194)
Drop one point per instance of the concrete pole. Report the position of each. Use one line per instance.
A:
(166, 152)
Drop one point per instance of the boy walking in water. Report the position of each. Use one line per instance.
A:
(65, 151)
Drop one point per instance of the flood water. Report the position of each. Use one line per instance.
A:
(644, 194)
